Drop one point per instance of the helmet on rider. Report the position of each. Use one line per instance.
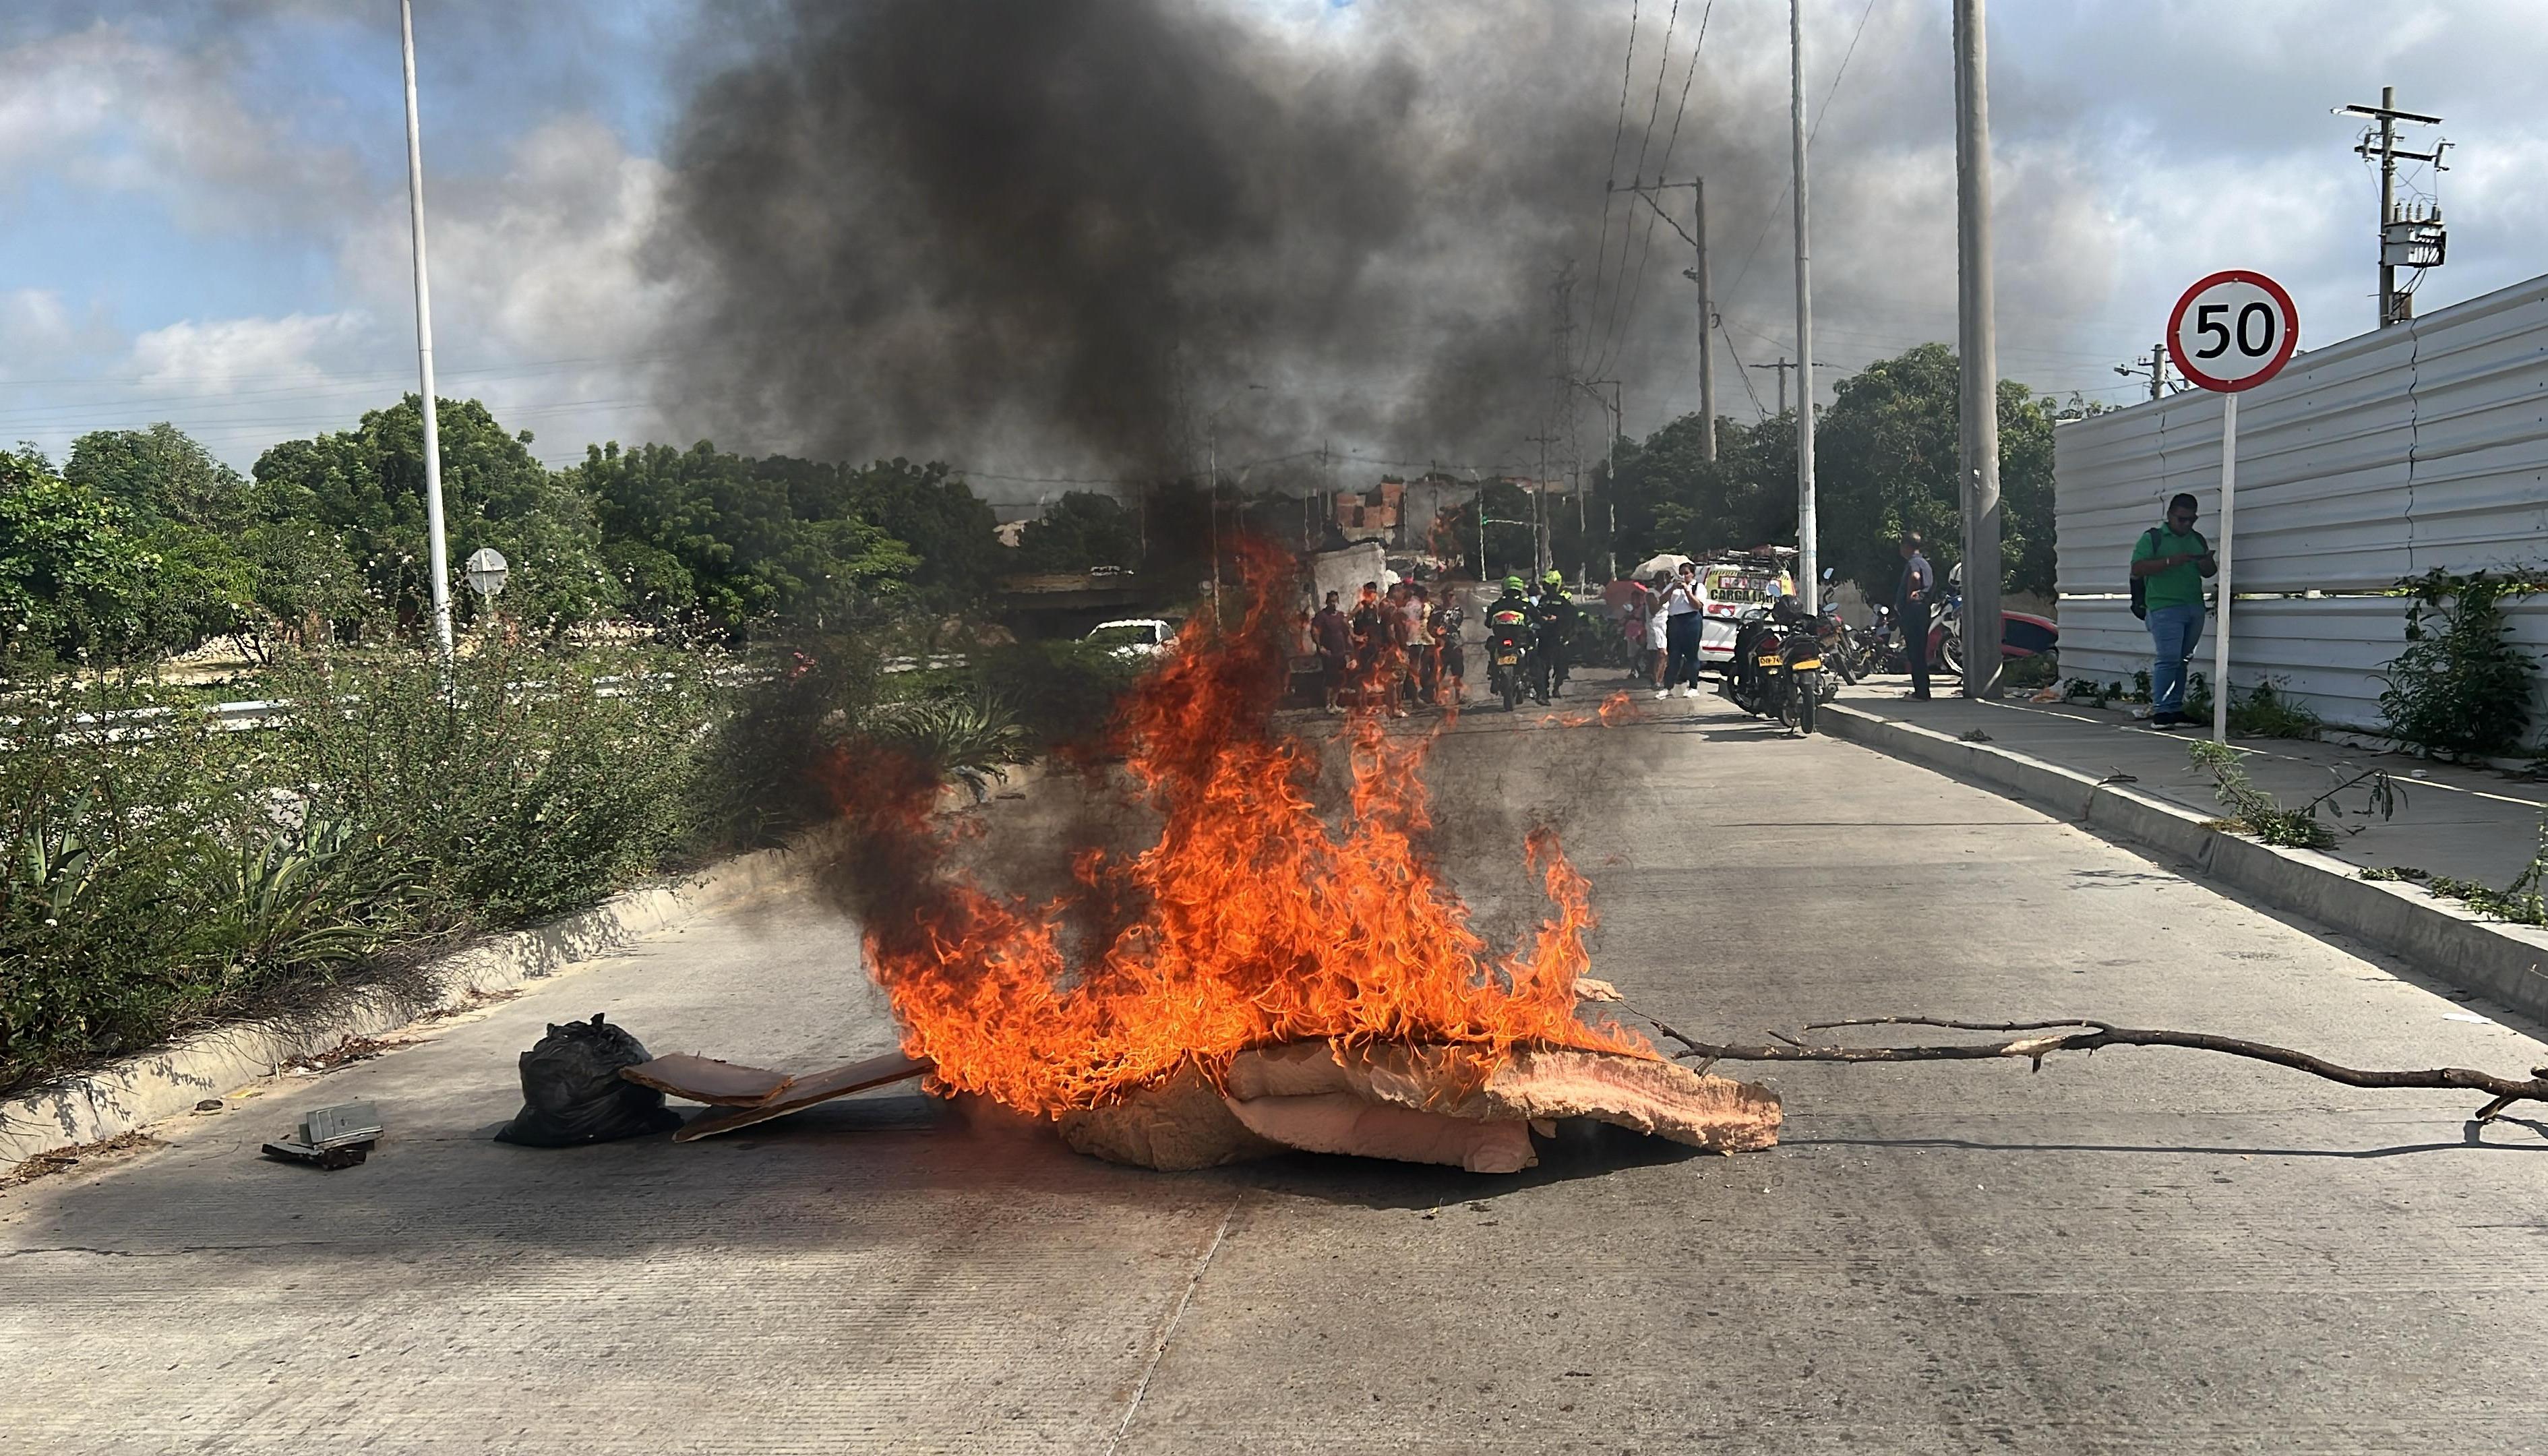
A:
(1514, 585)
(1554, 577)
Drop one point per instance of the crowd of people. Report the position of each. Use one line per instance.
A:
(1401, 648)
(1390, 649)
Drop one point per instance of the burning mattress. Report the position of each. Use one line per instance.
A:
(1454, 1105)
(1430, 1104)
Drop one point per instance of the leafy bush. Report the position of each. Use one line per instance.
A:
(113, 844)
(1064, 693)
(2262, 712)
(161, 873)
(532, 782)
(2253, 811)
(2460, 688)
(968, 740)
(794, 703)
(2027, 674)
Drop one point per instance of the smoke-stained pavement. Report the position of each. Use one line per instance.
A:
(2143, 1251)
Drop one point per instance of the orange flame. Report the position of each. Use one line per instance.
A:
(1251, 921)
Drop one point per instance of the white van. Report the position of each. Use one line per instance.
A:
(1729, 586)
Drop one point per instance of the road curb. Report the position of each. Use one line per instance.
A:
(2501, 962)
(143, 1089)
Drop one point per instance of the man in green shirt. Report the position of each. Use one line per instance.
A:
(2170, 562)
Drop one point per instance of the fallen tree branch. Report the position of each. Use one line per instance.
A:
(2081, 1034)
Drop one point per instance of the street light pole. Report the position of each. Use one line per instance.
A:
(1809, 583)
(436, 552)
(1979, 351)
(1212, 474)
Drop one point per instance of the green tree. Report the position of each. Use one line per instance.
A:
(162, 472)
(1886, 462)
(75, 577)
(1081, 530)
(1669, 498)
(699, 535)
(367, 484)
(951, 530)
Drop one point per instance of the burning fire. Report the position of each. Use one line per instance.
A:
(1250, 922)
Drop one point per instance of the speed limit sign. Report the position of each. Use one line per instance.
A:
(2232, 331)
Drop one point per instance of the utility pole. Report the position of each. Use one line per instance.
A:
(1809, 583)
(1783, 368)
(1706, 329)
(437, 553)
(2412, 238)
(2156, 366)
(1540, 548)
(1980, 349)
(1561, 300)
(1696, 237)
(1611, 460)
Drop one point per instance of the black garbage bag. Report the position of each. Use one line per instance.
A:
(573, 1093)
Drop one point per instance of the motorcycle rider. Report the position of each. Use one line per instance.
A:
(1510, 615)
(1553, 619)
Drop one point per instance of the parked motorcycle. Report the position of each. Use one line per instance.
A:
(1877, 646)
(1776, 669)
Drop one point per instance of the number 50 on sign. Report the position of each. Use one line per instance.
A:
(2234, 330)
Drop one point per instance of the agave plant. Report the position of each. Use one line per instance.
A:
(313, 893)
(968, 740)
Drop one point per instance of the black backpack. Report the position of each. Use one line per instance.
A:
(2141, 592)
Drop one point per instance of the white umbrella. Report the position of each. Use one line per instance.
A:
(1668, 564)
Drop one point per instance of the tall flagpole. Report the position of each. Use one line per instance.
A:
(437, 554)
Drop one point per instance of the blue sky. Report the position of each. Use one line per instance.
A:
(206, 214)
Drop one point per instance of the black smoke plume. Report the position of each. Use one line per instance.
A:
(1055, 229)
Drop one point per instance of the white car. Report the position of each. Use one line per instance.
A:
(1134, 637)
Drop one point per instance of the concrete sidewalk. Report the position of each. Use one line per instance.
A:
(2113, 772)
(2471, 823)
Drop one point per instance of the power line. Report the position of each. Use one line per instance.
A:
(1614, 320)
(1663, 168)
(1743, 372)
(1816, 131)
(1618, 129)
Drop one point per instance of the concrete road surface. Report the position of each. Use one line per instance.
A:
(2147, 1251)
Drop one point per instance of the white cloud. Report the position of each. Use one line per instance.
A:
(540, 304)
(106, 110)
(223, 354)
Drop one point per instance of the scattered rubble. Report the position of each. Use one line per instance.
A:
(93, 1155)
(344, 1055)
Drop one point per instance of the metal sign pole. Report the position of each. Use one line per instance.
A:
(2221, 591)
(437, 554)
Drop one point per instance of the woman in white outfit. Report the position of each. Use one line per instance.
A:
(1656, 622)
(1684, 603)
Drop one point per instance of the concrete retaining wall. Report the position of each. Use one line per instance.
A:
(143, 1090)
(2501, 962)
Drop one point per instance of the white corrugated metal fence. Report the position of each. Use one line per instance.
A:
(2376, 458)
